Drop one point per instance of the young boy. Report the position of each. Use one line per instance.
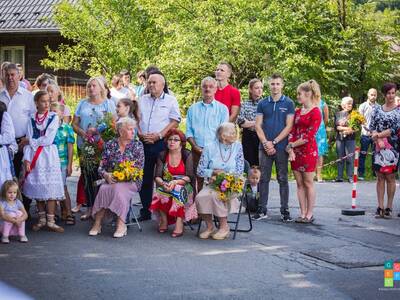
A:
(252, 188)
(65, 143)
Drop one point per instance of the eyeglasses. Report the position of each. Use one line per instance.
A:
(173, 140)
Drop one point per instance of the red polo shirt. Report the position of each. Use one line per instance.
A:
(228, 96)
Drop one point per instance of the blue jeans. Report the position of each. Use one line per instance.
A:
(365, 141)
(343, 148)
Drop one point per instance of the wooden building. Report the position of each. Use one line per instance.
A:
(26, 29)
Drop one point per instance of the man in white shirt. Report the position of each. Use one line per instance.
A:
(20, 106)
(159, 113)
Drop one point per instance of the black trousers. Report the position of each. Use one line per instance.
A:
(151, 152)
(250, 144)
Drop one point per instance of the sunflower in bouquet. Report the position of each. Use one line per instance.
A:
(127, 171)
(356, 120)
(227, 185)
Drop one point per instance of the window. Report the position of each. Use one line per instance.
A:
(14, 54)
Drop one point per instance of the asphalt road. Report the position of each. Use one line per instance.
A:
(338, 257)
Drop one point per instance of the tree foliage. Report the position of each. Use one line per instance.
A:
(347, 48)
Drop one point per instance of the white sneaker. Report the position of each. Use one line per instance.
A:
(23, 239)
(5, 240)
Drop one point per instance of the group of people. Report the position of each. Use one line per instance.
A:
(38, 133)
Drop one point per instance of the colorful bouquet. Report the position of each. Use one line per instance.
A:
(106, 127)
(126, 171)
(356, 120)
(90, 154)
(227, 185)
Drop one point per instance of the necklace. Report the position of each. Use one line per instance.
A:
(222, 156)
(40, 120)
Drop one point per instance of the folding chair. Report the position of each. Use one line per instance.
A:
(132, 218)
(242, 198)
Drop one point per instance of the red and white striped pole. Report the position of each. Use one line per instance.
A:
(354, 211)
(355, 178)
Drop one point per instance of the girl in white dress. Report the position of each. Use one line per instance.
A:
(7, 143)
(43, 180)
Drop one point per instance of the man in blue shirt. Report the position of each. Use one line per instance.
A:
(203, 119)
(274, 121)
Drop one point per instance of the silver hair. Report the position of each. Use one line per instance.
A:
(228, 129)
(125, 121)
(209, 79)
(346, 99)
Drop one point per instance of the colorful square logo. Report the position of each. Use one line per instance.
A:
(389, 265)
(396, 267)
(388, 282)
(396, 276)
(388, 273)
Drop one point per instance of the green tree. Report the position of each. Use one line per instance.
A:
(346, 47)
(107, 36)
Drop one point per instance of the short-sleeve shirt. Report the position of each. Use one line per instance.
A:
(64, 136)
(157, 113)
(20, 107)
(11, 208)
(274, 115)
(228, 96)
(90, 114)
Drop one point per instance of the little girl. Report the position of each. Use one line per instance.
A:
(56, 95)
(65, 144)
(43, 180)
(12, 213)
(128, 108)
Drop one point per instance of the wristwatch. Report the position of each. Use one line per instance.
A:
(274, 142)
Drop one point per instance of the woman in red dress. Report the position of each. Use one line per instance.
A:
(302, 147)
(174, 177)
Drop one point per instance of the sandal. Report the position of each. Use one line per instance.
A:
(162, 230)
(300, 220)
(176, 234)
(70, 220)
(309, 220)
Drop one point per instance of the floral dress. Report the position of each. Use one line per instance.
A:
(382, 120)
(179, 202)
(305, 127)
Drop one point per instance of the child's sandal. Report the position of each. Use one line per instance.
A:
(70, 220)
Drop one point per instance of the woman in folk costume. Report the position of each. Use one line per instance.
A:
(8, 145)
(43, 181)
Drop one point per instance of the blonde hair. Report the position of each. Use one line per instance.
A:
(228, 131)
(54, 85)
(313, 87)
(101, 82)
(6, 185)
(57, 105)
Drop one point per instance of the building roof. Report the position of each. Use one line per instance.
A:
(27, 16)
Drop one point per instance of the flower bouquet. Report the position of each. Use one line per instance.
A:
(106, 128)
(126, 171)
(227, 186)
(356, 120)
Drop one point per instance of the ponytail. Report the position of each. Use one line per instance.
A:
(313, 87)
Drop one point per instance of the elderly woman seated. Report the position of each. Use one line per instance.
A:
(174, 176)
(116, 195)
(225, 154)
